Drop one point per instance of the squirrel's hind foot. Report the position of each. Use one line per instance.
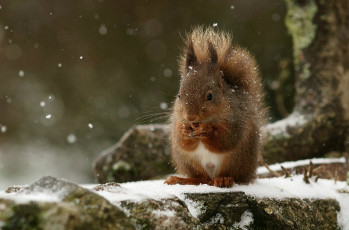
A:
(222, 182)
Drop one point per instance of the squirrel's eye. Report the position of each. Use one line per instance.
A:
(209, 97)
(179, 96)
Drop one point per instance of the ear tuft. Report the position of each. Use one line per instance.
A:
(191, 57)
(212, 53)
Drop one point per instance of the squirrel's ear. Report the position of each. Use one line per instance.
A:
(191, 57)
(212, 53)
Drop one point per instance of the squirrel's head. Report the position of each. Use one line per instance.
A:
(201, 90)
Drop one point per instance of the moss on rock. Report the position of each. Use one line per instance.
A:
(299, 22)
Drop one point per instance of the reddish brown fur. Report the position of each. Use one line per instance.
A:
(227, 124)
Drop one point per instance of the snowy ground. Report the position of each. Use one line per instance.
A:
(277, 188)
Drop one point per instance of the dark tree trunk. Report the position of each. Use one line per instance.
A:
(319, 122)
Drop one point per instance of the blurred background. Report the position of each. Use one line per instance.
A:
(75, 75)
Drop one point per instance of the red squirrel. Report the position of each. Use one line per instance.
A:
(217, 115)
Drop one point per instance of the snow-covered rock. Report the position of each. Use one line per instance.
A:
(275, 203)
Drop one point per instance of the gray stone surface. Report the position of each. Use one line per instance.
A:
(70, 206)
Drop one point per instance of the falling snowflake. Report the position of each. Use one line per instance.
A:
(103, 29)
(167, 72)
(163, 105)
(21, 73)
(3, 128)
(71, 138)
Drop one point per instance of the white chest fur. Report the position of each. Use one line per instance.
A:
(210, 162)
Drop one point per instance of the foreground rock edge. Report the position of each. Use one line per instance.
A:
(70, 206)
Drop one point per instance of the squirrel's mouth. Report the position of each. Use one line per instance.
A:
(198, 130)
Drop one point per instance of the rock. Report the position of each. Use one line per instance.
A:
(294, 213)
(67, 206)
(169, 213)
(106, 186)
(52, 203)
(12, 189)
(142, 153)
(219, 209)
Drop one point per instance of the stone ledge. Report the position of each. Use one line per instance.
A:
(52, 203)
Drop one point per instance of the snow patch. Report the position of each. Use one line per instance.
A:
(195, 208)
(217, 219)
(22, 198)
(280, 127)
(245, 222)
(168, 213)
(342, 216)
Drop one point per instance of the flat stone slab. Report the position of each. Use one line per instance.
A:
(51, 203)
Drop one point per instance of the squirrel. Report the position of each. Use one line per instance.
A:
(216, 118)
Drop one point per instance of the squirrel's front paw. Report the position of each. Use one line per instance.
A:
(222, 182)
(202, 130)
(186, 131)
